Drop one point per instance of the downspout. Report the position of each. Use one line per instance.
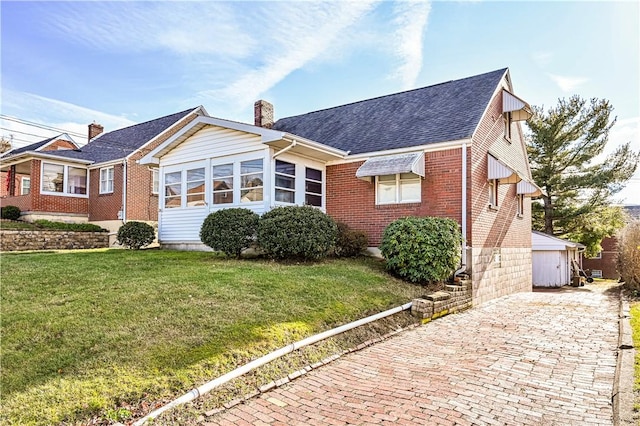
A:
(463, 201)
(124, 191)
(285, 149)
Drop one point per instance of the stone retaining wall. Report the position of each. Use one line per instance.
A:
(19, 240)
(454, 298)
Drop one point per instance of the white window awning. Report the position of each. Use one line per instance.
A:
(528, 189)
(391, 165)
(519, 109)
(498, 169)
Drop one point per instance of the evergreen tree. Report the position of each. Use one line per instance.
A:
(562, 146)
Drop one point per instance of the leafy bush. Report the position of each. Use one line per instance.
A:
(422, 249)
(10, 212)
(229, 230)
(136, 235)
(78, 227)
(628, 263)
(296, 232)
(350, 242)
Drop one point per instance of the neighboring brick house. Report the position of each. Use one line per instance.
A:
(101, 182)
(604, 264)
(454, 150)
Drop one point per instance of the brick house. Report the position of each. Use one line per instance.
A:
(101, 182)
(454, 150)
(604, 264)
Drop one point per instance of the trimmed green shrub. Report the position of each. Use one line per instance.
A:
(229, 230)
(350, 242)
(296, 232)
(62, 226)
(422, 249)
(136, 235)
(10, 212)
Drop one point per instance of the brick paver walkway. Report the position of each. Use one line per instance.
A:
(541, 358)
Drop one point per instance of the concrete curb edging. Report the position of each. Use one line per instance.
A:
(623, 395)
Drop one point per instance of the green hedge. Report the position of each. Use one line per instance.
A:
(350, 242)
(422, 249)
(296, 232)
(230, 230)
(136, 235)
(62, 226)
(10, 212)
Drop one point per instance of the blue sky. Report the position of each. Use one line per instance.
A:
(66, 64)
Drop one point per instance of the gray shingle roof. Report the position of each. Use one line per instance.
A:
(120, 143)
(32, 147)
(442, 112)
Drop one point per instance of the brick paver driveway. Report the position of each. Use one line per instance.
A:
(541, 358)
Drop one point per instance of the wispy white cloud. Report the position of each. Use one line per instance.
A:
(61, 115)
(411, 18)
(566, 83)
(294, 35)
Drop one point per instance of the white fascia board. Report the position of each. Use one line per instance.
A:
(434, 147)
(195, 111)
(314, 145)
(503, 82)
(267, 135)
(37, 155)
(106, 164)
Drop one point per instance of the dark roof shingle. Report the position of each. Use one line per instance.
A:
(442, 112)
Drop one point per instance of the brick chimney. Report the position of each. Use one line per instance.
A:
(94, 130)
(263, 114)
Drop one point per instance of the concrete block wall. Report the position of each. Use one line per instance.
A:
(493, 278)
(454, 298)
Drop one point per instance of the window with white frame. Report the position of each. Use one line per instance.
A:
(195, 187)
(596, 256)
(520, 204)
(106, 180)
(173, 190)
(25, 186)
(493, 192)
(155, 181)
(596, 273)
(398, 188)
(251, 181)
(222, 176)
(508, 121)
(285, 182)
(313, 187)
(63, 179)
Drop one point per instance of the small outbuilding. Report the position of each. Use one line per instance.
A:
(555, 261)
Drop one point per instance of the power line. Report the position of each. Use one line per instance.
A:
(41, 126)
(24, 133)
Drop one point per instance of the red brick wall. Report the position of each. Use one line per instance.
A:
(491, 227)
(607, 263)
(352, 201)
(59, 144)
(105, 206)
(53, 203)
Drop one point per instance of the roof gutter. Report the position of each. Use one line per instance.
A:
(285, 149)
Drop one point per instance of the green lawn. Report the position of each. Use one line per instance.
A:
(86, 332)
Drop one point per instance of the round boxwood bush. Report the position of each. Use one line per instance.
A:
(350, 242)
(296, 232)
(422, 249)
(229, 230)
(136, 235)
(10, 212)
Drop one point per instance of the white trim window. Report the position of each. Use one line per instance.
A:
(520, 204)
(173, 190)
(285, 182)
(251, 180)
(155, 181)
(185, 188)
(25, 186)
(63, 180)
(508, 121)
(222, 176)
(313, 187)
(106, 180)
(596, 273)
(195, 187)
(493, 193)
(398, 188)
